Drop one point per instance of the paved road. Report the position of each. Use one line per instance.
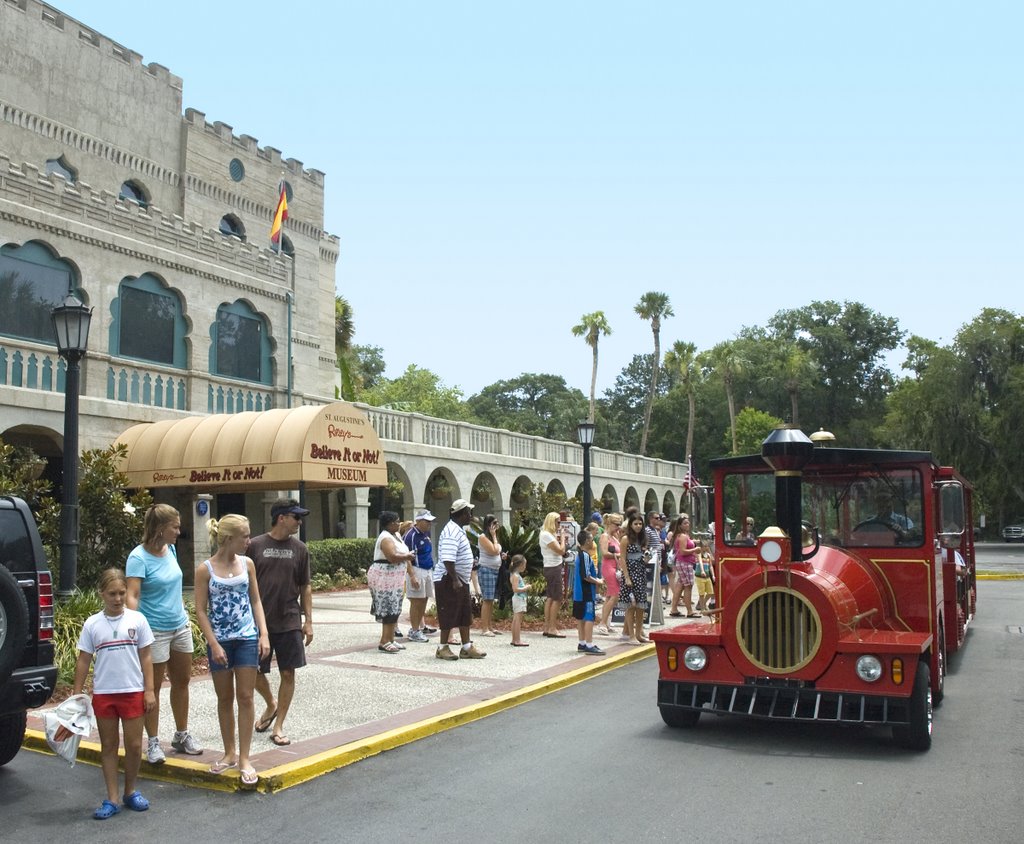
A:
(594, 763)
(1002, 557)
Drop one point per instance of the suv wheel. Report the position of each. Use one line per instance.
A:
(12, 734)
(13, 623)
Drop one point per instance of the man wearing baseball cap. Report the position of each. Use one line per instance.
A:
(451, 583)
(417, 540)
(282, 572)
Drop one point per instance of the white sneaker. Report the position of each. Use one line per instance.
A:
(416, 636)
(602, 631)
(185, 743)
(154, 753)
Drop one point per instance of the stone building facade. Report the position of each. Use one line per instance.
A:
(158, 220)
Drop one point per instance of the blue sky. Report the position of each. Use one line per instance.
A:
(497, 169)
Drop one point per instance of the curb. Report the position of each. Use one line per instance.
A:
(998, 575)
(295, 773)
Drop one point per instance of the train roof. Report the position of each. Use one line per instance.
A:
(825, 456)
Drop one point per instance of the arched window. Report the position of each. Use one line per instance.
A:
(241, 344)
(148, 323)
(32, 281)
(231, 226)
(61, 167)
(134, 192)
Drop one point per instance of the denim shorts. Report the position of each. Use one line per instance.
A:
(241, 653)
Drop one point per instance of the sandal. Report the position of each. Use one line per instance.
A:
(265, 724)
(389, 648)
(106, 810)
(696, 615)
(219, 767)
(677, 614)
(280, 741)
(520, 644)
(136, 802)
(249, 776)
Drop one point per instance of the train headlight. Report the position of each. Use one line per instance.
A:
(869, 668)
(771, 551)
(695, 658)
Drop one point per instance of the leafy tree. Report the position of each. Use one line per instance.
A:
(19, 470)
(541, 405)
(591, 327)
(653, 307)
(847, 342)
(964, 403)
(623, 404)
(418, 391)
(111, 517)
(752, 426)
(368, 367)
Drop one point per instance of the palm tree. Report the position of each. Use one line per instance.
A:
(344, 331)
(653, 307)
(797, 367)
(591, 327)
(727, 363)
(681, 360)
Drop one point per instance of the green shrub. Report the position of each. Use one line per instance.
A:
(68, 617)
(341, 580)
(331, 556)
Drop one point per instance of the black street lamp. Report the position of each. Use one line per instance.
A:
(71, 321)
(585, 435)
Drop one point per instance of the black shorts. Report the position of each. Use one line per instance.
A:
(290, 648)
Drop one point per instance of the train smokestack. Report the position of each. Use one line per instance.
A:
(787, 450)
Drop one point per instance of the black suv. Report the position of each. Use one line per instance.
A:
(27, 672)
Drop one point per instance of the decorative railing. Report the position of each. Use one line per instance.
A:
(400, 426)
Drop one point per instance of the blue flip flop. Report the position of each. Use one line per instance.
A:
(106, 810)
(136, 802)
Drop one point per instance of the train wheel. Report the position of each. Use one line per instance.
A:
(917, 735)
(679, 718)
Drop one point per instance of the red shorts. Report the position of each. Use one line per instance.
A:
(125, 705)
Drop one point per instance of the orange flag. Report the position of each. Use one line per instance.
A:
(280, 215)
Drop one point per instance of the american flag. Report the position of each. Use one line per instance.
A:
(690, 481)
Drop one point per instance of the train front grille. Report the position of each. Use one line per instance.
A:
(778, 630)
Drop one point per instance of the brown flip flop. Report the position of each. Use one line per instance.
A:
(265, 724)
(280, 741)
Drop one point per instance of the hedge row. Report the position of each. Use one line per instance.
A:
(329, 556)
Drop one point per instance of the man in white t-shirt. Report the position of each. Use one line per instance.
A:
(452, 575)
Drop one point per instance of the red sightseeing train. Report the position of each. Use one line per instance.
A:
(845, 608)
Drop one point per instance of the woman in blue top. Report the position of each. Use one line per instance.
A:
(230, 615)
(154, 589)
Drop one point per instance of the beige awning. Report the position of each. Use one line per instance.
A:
(321, 446)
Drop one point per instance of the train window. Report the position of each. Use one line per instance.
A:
(881, 509)
(748, 502)
(952, 516)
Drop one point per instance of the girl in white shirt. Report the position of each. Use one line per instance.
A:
(122, 688)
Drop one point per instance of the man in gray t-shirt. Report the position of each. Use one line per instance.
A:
(282, 572)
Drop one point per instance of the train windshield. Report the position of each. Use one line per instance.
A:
(876, 508)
